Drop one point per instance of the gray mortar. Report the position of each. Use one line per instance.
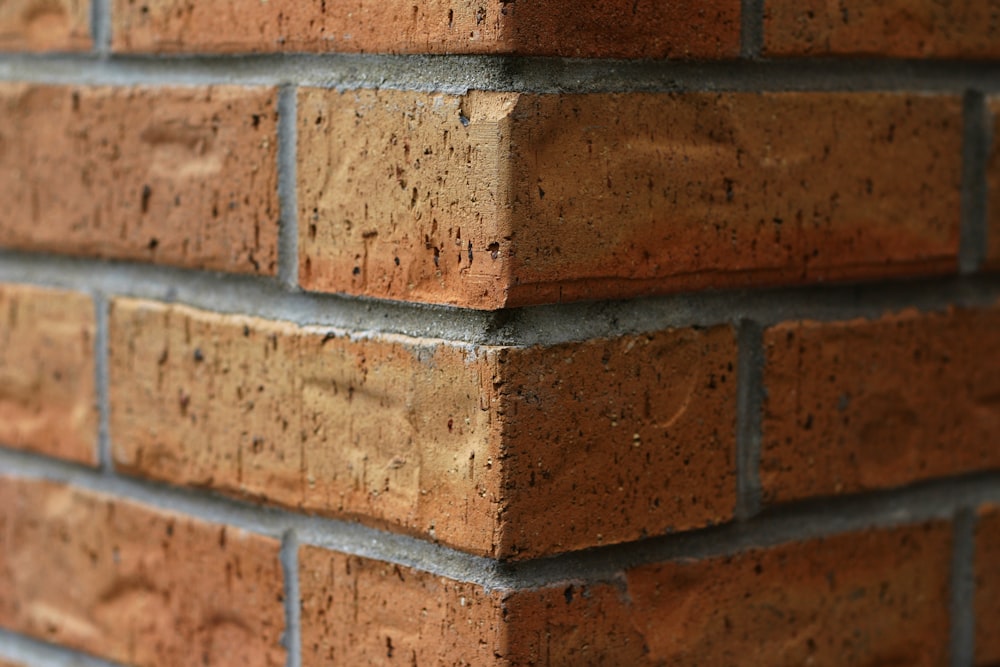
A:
(749, 402)
(535, 325)
(288, 232)
(292, 638)
(751, 28)
(458, 74)
(963, 588)
(938, 499)
(975, 155)
(39, 654)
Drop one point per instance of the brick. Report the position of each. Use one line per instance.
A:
(987, 578)
(858, 405)
(501, 199)
(180, 176)
(621, 29)
(9, 663)
(48, 403)
(453, 442)
(628, 437)
(45, 25)
(133, 584)
(360, 611)
(875, 597)
(880, 28)
(992, 259)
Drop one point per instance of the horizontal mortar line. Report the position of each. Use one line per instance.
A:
(458, 73)
(36, 653)
(535, 325)
(811, 519)
(333, 534)
(824, 517)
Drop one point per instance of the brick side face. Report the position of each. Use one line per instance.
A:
(180, 176)
(893, 28)
(987, 580)
(868, 413)
(48, 401)
(492, 199)
(619, 29)
(617, 438)
(45, 25)
(116, 579)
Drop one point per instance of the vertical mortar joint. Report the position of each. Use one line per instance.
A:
(749, 403)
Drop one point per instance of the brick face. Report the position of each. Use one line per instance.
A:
(876, 597)
(495, 199)
(45, 25)
(181, 176)
(449, 442)
(134, 585)
(858, 405)
(893, 28)
(48, 402)
(619, 29)
(987, 578)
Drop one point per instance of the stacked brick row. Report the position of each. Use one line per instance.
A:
(186, 483)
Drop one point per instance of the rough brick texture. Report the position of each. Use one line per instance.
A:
(135, 585)
(987, 578)
(993, 187)
(181, 176)
(45, 25)
(48, 401)
(618, 29)
(499, 199)
(453, 442)
(893, 28)
(877, 597)
(860, 405)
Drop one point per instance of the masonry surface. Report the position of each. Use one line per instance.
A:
(499, 333)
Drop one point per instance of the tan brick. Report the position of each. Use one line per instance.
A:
(992, 260)
(708, 29)
(860, 405)
(9, 663)
(447, 441)
(181, 176)
(873, 598)
(893, 28)
(987, 578)
(499, 199)
(133, 584)
(45, 25)
(358, 611)
(48, 403)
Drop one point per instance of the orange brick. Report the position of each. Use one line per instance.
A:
(9, 663)
(45, 25)
(358, 611)
(48, 403)
(621, 29)
(133, 584)
(501, 199)
(181, 176)
(860, 405)
(987, 577)
(448, 441)
(993, 189)
(877, 597)
(893, 28)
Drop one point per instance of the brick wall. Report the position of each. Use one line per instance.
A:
(499, 333)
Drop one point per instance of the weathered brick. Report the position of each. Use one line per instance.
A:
(860, 405)
(993, 189)
(620, 29)
(876, 597)
(182, 176)
(45, 25)
(500, 199)
(48, 403)
(893, 28)
(134, 584)
(453, 442)
(987, 578)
